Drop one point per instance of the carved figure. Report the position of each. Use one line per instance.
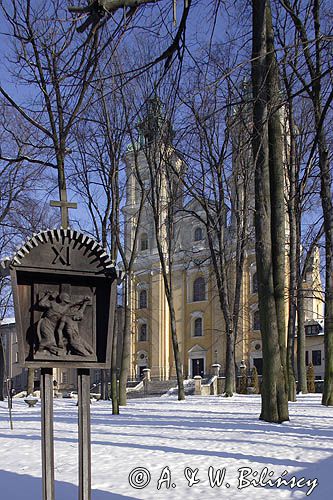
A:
(60, 321)
(69, 328)
(54, 308)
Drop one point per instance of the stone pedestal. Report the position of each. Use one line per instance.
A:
(146, 379)
(216, 367)
(147, 374)
(242, 389)
(197, 386)
(220, 385)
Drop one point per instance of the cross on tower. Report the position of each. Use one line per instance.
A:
(64, 206)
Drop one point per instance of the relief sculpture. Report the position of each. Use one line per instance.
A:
(58, 329)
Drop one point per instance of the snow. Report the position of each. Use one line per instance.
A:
(155, 433)
(7, 321)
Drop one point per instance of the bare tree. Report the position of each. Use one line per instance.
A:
(100, 179)
(164, 200)
(19, 214)
(308, 25)
(49, 57)
(216, 145)
(99, 141)
(269, 215)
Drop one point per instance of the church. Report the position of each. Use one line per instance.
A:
(200, 326)
(199, 320)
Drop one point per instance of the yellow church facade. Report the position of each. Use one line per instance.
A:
(199, 320)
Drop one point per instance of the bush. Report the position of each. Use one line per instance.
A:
(310, 377)
(243, 381)
(255, 380)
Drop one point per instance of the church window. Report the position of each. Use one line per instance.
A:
(256, 321)
(316, 358)
(198, 327)
(312, 329)
(64, 378)
(143, 336)
(199, 290)
(143, 242)
(143, 299)
(255, 283)
(198, 234)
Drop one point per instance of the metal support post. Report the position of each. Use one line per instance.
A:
(47, 433)
(84, 434)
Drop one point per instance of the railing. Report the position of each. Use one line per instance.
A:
(213, 387)
(136, 388)
(210, 388)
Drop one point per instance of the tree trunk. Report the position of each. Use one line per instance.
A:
(327, 205)
(314, 65)
(240, 257)
(2, 371)
(176, 353)
(294, 253)
(230, 362)
(291, 347)
(126, 351)
(220, 268)
(104, 385)
(301, 366)
(163, 208)
(114, 382)
(276, 179)
(274, 397)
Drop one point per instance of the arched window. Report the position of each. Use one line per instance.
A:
(197, 327)
(256, 321)
(144, 242)
(143, 335)
(255, 283)
(143, 299)
(199, 289)
(198, 234)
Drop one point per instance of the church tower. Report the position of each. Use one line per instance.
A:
(145, 168)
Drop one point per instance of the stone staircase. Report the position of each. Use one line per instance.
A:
(159, 388)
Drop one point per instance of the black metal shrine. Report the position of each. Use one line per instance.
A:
(64, 288)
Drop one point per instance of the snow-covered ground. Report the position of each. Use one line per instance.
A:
(172, 439)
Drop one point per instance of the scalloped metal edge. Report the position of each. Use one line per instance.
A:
(55, 235)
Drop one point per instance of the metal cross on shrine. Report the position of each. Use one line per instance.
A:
(64, 206)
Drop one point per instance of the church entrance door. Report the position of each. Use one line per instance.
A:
(141, 374)
(258, 364)
(197, 367)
